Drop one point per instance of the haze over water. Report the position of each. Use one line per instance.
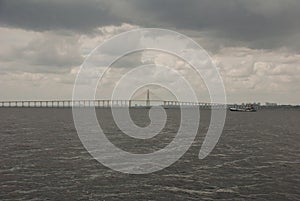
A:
(42, 158)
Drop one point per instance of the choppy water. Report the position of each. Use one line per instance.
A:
(257, 158)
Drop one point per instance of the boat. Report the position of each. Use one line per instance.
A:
(248, 108)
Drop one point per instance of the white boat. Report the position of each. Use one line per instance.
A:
(246, 109)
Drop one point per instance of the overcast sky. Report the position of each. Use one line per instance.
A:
(254, 43)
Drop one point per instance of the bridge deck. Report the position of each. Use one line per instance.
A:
(102, 104)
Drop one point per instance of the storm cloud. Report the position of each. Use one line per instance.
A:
(47, 15)
(260, 24)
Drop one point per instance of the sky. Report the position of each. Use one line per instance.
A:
(255, 44)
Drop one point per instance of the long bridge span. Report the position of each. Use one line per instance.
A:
(105, 104)
(108, 103)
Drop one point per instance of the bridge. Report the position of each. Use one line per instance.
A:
(135, 103)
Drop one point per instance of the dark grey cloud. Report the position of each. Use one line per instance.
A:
(262, 24)
(265, 23)
(56, 14)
